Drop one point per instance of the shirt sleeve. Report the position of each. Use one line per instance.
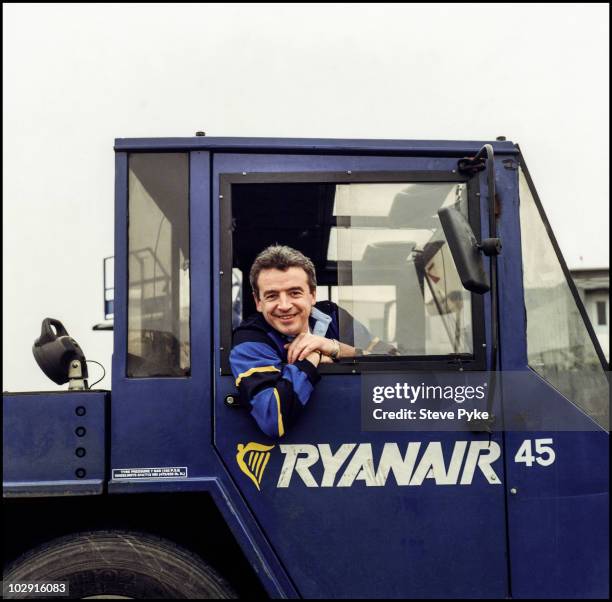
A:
(275, 391)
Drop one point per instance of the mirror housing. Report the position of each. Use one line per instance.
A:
(55, 351)
(465, 250)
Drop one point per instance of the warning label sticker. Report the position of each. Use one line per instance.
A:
(171, 472)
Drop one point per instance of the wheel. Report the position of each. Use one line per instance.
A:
(120, 563)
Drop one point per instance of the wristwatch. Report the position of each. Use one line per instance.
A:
(335, 354)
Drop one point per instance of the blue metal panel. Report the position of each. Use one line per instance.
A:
(313, 145)
(558, 516)
(41, 435)
(359, 541)
(513, 327)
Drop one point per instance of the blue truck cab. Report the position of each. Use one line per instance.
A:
(166, 487)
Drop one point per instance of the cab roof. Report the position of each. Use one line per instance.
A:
(308, 145)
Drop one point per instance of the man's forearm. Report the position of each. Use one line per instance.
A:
(346, 350)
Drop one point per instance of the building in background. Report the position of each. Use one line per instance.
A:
(593, 285)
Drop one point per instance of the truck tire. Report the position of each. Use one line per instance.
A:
(120, 563)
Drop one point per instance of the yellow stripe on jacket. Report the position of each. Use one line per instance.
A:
(253, 370)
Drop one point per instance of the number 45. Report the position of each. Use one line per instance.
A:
(542, 448)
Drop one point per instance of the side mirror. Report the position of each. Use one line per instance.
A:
(465, 250)
(59, 355)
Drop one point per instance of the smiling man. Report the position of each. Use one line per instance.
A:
(276, 352)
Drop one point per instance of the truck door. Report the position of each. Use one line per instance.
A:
(350, 512)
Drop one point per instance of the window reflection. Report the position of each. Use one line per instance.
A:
(559, 347)
(158, 265)
(379, 252)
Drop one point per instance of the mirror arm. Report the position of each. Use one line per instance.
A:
(490, 246)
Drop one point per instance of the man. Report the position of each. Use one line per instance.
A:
(276, 352)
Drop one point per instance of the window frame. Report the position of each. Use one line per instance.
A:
(474, 361)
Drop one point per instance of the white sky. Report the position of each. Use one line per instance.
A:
(78, 76)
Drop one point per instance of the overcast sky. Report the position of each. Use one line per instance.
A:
(78, 76)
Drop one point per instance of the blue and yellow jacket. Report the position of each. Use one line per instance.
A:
(276, 391)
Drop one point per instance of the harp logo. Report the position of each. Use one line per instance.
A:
(252, 459)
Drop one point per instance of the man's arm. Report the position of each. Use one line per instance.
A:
(276, 393)
(306, 345)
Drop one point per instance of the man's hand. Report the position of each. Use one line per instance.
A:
(304, 344)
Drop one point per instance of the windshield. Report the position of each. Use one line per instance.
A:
(559, 345)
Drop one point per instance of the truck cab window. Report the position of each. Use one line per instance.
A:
(559, 347)
(158, 265)
(379, 253)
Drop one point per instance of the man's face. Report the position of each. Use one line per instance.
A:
(285, 299)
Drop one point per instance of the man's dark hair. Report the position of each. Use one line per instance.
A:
(282, 257)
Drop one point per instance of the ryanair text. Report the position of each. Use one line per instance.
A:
(353, 462)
